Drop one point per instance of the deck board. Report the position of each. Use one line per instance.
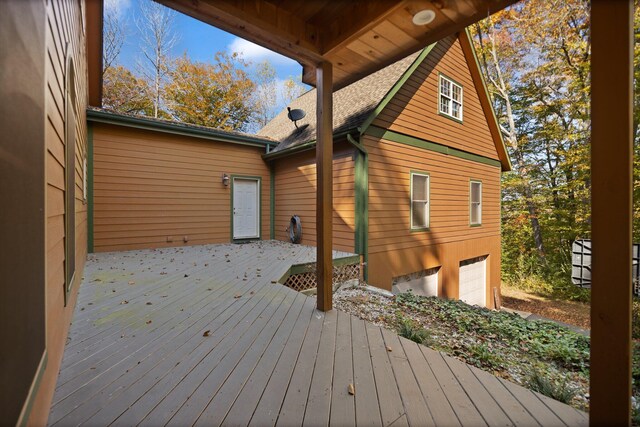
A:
(259, 387)
(269, 356)
(416, 408)
(441, 410)
(343, 411)
(318, 405)
(367, 408)
(391, 409)
(297, 392)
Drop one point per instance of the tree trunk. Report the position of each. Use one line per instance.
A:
(512, 139)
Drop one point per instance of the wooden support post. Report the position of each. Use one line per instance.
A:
(611, 174)
(324, 173)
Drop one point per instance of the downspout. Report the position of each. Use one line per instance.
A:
(90, 188)
(272, 200)
(361, 202)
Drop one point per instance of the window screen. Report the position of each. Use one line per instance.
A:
(419, 200)
(475, 198)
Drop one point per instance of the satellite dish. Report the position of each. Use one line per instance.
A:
(295, 115)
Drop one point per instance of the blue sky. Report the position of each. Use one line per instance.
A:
(200, 41)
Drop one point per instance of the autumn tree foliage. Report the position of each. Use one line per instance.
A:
(125, 93)
(536, 57)
(218, 95)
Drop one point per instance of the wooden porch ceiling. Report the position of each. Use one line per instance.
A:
(358, 37)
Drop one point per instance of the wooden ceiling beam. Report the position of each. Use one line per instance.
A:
(350, 25)
(341, 32)
(260, 22)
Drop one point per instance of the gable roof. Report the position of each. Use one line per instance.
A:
(352, 105)
(357, 105)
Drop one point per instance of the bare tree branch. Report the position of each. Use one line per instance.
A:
(157, 39)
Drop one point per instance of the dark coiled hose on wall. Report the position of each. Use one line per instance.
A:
(295, 229)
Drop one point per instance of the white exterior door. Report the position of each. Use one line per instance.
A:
(473, 281)
(246, 208)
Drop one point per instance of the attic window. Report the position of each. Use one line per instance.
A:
(450, 98)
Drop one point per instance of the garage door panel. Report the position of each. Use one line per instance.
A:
(426, 284)
(472, 281)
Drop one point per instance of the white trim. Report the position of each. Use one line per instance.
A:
(258, 207)
(472, 202)
(426, 201)
(451, 85)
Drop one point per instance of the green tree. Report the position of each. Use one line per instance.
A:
(535, 57)
(636, 124)
(218, 95)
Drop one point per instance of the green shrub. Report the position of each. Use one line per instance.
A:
(547, 340)
(556, 390)
(482, 356)
(413, 331)
(635, 329)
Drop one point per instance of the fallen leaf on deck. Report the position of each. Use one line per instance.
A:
(131, 282)
(351, 389)
(125, 302)
(389, 348)
(149, 303)
(206, 333)
(148, 322)
(237, 296)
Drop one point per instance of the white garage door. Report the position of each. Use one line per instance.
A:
(473, 281)
(425, 285)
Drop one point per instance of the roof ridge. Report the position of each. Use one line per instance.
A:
(353, 104)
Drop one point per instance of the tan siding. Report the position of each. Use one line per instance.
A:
(414, 109)
(64, 26)
(394, 250)
(296, 195)
(152, 187)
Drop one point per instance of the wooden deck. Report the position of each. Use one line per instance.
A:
(202, 336)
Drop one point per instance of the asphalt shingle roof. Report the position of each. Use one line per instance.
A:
(351, 106)
(181, 125)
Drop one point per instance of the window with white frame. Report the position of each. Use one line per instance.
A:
(419, 200)
(475, 203)
(450, 98)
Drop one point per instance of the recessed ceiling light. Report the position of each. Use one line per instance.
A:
(424, 17)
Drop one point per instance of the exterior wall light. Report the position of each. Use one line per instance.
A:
(225, 179)
(424, 17)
